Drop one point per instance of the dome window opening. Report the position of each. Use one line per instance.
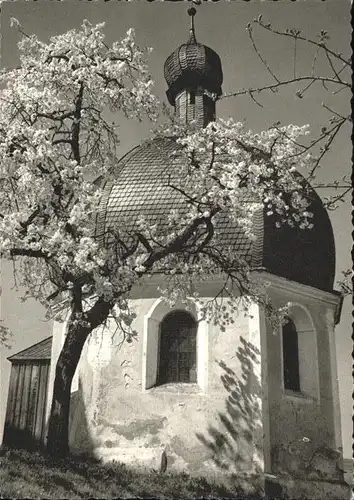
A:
(291, 368)
(177, 349)
(191, 110)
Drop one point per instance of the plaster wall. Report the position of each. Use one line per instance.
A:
(201, 430)
(237, 419)
(303, 437)
(59, 329)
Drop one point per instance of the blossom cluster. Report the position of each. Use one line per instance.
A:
(56, 147)
(54, 141)
(240, 171)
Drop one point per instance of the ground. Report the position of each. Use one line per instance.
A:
(33, 475)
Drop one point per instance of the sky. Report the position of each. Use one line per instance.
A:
(222, 26)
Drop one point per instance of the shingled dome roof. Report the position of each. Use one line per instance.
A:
(142, 188)
(193, 65)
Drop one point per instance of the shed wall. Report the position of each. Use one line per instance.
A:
(25, 414)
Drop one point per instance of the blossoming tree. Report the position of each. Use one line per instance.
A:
(330, 71)
(332, 76)
(56, 141)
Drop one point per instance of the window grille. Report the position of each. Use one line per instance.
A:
(177, 349)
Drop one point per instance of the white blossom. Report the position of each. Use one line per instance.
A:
(55, 140)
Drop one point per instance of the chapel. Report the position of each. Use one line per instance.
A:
(249, 403)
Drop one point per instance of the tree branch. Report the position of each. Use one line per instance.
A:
(287, 33)
(286, 82)
(75, 128)
(23, 252)
(264, 62)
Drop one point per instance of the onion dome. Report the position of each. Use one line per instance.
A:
(142, 188)
(192, 65)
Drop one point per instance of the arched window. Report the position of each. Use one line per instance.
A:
(291, 366)
(177, 348)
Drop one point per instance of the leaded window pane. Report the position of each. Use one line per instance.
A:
(177, 357)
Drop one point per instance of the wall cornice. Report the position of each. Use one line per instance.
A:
(280, 283)
(333, 299)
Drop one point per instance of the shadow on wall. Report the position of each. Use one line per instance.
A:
(236, 443)
(80, 440)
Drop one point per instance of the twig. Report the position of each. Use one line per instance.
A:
(273, 86)
(321, 45)
(260, 56)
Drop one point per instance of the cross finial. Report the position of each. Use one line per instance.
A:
(192, 12)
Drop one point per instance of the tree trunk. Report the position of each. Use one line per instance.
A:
(58, 429)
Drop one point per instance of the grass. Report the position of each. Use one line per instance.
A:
(33, 475)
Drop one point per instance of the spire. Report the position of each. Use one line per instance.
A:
(192, 12)
(192, 71)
